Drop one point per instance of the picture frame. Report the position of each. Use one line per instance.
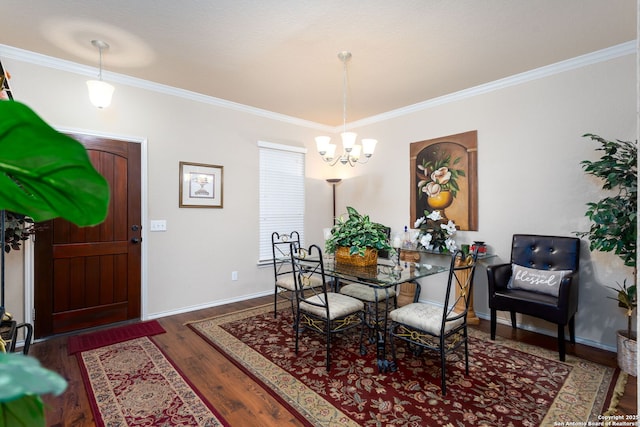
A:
(201, 185)
(456, 156)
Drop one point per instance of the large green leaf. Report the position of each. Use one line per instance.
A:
(45, 174)
(23, 375)
(22, 381)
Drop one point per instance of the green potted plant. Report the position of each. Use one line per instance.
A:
(44, 174)
(614, 225)
(356, 239)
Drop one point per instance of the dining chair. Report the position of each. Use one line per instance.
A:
(441, 329)
(318, 309)
(284, 280)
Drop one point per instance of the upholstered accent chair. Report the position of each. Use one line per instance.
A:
(440, 329)
(541, 280)
(318, 309)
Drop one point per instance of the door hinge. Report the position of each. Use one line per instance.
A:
(33, 314)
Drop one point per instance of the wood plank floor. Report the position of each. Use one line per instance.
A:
(241, 401)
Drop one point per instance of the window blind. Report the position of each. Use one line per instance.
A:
(281, 192)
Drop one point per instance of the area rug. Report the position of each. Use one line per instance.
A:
(131, 382)
(510, 383)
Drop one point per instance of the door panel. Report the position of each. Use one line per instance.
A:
(90, 276)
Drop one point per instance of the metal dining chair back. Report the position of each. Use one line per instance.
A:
(284, 280)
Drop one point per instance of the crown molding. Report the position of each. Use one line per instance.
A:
(607, 54)
(84, 70)
(603, 55)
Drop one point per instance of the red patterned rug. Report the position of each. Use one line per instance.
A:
(510, 383)
(131, 382)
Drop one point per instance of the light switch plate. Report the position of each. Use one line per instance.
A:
(158, 225)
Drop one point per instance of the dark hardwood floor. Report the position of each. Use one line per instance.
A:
(241, 401)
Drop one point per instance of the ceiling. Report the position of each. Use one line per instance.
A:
(281, 55)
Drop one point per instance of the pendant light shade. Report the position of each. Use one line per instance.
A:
(100, 92)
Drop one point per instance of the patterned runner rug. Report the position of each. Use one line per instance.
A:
(510, 383)
(131, 382)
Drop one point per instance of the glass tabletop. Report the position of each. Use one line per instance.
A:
(384, 274)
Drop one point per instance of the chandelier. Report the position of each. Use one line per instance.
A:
(352, 152)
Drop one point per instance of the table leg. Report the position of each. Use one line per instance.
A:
(472, 318)
(384, 365)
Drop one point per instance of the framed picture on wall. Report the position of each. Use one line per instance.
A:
(444, 177)
(200, 185)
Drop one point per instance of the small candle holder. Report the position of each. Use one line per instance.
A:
(398, 267)
(397, 244)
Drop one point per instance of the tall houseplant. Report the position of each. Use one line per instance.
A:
(614, 221)
(44, 174)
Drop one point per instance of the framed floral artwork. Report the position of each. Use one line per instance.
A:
(444, 178)
(200, 185)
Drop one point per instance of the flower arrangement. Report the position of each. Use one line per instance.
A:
(438, 174)
(435, 233)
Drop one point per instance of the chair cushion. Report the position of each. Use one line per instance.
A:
(531, 279)
(366, 293)
(287, 281)
(426, 317)
(339, 305)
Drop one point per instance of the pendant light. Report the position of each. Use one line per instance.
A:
(351, 151)
(100, 92)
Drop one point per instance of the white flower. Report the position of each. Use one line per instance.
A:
(426, 240)
(419, 222)
(450, 244)
(441, 176)
(435, 216)
(432, 189)
(449, 227)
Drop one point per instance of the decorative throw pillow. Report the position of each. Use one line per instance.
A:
(530, 279)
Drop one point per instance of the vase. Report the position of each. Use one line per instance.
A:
(441, 201)
(627, 353)
(343, 257)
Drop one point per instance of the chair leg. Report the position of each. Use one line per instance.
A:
(466, 351)
(493, 324)
(296, 327)
(561, 345)
(513, 320)
(328, 345)
(443, 360)
(363, 349)
(572, 330)
(275, 303)
(392, 341)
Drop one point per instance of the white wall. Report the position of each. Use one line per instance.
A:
(530, 180)
(529, 173)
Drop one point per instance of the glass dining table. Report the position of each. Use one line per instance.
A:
(382, 277)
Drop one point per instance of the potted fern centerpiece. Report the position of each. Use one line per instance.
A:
(614, 226)
(356, 239)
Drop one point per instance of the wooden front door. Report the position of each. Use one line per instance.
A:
(90, 276)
